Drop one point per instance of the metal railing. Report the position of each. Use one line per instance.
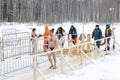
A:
(15, 44)
(20, 62)
(13, 65)
(82, 53)
(106, 44)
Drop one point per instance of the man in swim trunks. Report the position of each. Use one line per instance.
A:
(52, 44)
(34, 36)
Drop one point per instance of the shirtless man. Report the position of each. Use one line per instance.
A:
(34, 36)
(52, 44)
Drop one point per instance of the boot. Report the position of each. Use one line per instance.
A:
(108, 48)
(105, 49)
(113, 46)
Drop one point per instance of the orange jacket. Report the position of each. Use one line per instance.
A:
(47, 32)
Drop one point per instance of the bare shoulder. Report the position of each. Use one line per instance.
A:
(32, 33)
(55, 37)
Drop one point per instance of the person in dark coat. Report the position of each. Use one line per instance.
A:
(60, 32)
(73, 32)
(97, 34)
(108, 33)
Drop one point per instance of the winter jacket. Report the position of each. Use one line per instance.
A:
(108, 32)
(47, 32)
(60, 32)
(73, 32)
(97, 34)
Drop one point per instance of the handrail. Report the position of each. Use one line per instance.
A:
(62, 57)
(105, 38)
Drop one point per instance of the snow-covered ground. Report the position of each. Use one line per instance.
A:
(88, 27)
(103, 69)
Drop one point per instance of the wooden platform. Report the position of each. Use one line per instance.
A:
(46, 71)
(74, 60)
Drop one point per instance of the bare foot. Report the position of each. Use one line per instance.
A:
(54, 67)
(50, 67)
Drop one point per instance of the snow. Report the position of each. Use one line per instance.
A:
(107, 69)
(103, 69)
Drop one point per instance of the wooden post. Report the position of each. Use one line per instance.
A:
(34, 69)
(35, 60)
(112, 22)
(113, 28)
(81, 55)
(106, 46)
(113, 34)
(88, 45)
(61, 61)
(68, 39)
(95, 49)
(77, 46)
(83, 34)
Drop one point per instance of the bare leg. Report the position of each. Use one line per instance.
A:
(45, 49)
(50, 60)
(54, 57)
(45, 46)
(32, 46)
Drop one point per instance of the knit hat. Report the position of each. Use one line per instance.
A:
(52, 30)
(97, 26)
(107, 25)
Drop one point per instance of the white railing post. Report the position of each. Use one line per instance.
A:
(35, 60)
(61, 60)
(96, 50)
(117, 43)
(41, 74)
(34, 69)
(106, 46)
(77, 46)
(81, 56)
(114, 43)
(20, 45)
(87, 57)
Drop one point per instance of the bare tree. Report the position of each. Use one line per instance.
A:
(59, 11)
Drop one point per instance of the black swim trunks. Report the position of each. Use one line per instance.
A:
(51, 49)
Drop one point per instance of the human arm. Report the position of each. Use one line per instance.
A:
(93, 34)
(100, 33)
(56, 42)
